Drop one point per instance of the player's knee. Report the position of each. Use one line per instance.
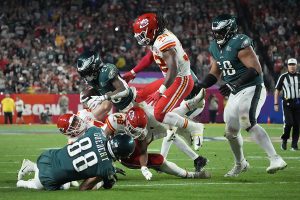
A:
(245, 122)
(155, 160)
(159, 115)
(231, 132)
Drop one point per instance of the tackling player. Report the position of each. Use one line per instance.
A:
(236, 62)
(150, 30)
(91, 156)
(145, 129)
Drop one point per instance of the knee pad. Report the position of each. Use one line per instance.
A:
(231, 133)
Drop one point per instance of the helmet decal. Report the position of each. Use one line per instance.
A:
(144, 23)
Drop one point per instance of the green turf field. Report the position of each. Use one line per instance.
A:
(254, 184)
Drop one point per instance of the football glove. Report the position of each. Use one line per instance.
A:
(154, 97)
(95, 100)
(227, 88)
(147, 174)
(128, 76)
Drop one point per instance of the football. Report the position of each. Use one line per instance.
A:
(86, 94)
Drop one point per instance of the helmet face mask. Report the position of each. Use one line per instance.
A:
(71, 125)
(145, 28)
(136, 123)
(223, 28)
(88, 65)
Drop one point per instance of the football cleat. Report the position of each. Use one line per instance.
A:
(74, 183)
(238, 168)
(197, 135)
(276, 163)
(200, 163)
(27, 167)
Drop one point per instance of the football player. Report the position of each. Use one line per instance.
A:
(105, 78)
(90, 157)
(236, 62)
(145, 129)
(150, 30)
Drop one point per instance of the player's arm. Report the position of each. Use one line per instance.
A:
(212, 77)
(144, 159)
(121, 90)
(144, 63)
(89, 183)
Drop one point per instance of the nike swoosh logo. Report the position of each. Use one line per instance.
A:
(199, 143)
(23, 169)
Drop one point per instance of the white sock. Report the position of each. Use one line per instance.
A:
(173, 119)
(260, 136)
(236, 145)
(195, 113)
(166, 144)
(171, 168)
(182, 145)
(182, 109)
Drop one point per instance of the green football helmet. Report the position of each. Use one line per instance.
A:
(223, 28)
(89, 64)
(121, 146)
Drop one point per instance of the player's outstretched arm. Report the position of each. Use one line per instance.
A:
(89, 183)
(144, 63)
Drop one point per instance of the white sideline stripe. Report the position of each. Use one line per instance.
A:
(193, 184)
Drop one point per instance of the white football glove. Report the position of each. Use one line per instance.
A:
(95, 100)
(147, 174)
(83, 100)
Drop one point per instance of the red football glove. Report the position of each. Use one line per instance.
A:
(154, 97)
(128, 76)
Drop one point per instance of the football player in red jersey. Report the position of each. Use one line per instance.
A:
(166, 94)
(145, 129)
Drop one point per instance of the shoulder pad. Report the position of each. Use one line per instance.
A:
(242, 41)
(165, 41)
(108, 72)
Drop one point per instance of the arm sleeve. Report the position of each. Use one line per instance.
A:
(145, 62)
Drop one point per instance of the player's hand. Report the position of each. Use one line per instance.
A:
(120, 171)
(226, 89)
(95, 101)
(154, 97)
(128, 76)
(82, 99)
(147, 174)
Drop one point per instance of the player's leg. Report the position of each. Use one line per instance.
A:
(172, 169)
(234, 137)
(102, 110)
(250, 105)
(142, 94)
(26, 167)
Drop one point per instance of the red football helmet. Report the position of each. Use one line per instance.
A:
(71, 125)
(145, 28)
(136, 122)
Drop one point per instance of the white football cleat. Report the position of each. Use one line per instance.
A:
(27, 167)
(197, 135)
(276, 163)
(74, 183)
(238, 168)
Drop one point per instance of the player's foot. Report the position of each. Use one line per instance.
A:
(202, 175)
(21, 184)
(276, 163)
(27, 166)
(197, 101)
(283, 144)
(199, 163)
(238, 168)
(197, 135)
(74, 183)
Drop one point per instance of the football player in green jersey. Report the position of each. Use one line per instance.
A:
(89, 158)
(235, 61)
(105, 78)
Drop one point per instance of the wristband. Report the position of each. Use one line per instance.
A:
(132, 72)
(162, 89)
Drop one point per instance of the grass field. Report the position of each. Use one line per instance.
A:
(254, 184)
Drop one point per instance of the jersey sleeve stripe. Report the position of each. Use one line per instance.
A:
(109, 125)
(166, 46)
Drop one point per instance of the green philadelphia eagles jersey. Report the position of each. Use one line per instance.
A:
(228, 62)
(104, 84)
(87, 157)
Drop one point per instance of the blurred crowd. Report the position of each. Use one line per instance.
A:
(40, 40)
